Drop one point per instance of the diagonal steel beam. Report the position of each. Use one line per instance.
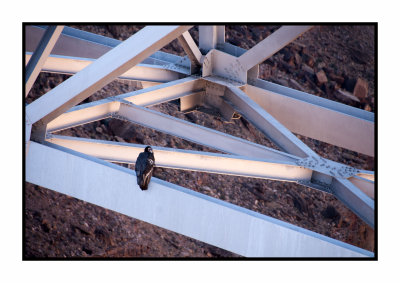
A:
(187, 159)
(175, 208)
(267, 124)
(101, 109)
(191, 50)
(40, 55)
(199, 134)
(362, 205)
(316, 117)
(101, 72)
(369, 175)
(365, 185)
(272, 44)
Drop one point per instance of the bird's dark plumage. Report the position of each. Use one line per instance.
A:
(144, 167)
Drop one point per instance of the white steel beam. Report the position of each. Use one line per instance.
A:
(78, 43)
(220, 34)
(365, 185)
(316, 117)
(190, 102)
(272, 44)
(175, 208)
(72, 42)
(82, 114)
(187, 159)
(356, 200)
(370, 175)
(199, 134)
(28, 129)
(310, 98)
(40, 55)
(190, 48)
(266, 123)
(142, 72)
(210, 36)
(101, 72)
(164, 92)
(93, 111)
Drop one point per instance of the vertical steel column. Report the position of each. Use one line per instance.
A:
(210, 36)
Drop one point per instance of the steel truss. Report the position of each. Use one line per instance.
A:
(214, 74)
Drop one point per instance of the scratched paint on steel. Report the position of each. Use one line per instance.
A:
(178, 209)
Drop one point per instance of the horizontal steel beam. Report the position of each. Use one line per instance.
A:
(142, 72)
(82, 114)
(187, 159)
(362, 205)
(78, 43)
(316, 117)
(200, 134)
(164, 92)
(101, 72)
(40, 55)
(266, 123)
(175, 208)
(72, 42)
(101, 109)
(272, 44)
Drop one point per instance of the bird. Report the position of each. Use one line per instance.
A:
(144, 167)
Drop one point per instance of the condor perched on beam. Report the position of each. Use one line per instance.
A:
(144, 167)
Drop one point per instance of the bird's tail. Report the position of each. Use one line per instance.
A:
(142, 184)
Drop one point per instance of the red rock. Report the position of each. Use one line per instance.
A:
(308, 69)
(293, 83)
(336, 78)
(297, 58)
(321, 77)
(361, 88)
(347, 94)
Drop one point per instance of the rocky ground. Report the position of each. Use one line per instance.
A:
(59, 226)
